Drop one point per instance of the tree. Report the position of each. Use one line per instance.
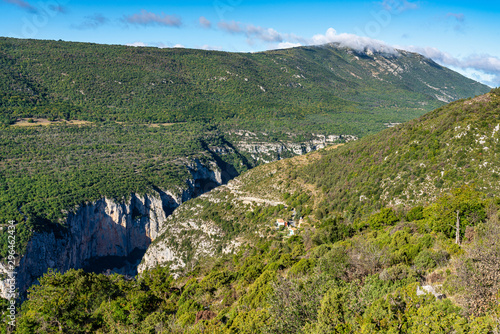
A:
(333, 313)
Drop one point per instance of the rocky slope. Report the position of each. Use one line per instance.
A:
(223, 219)
(191, 233)
(261, 149)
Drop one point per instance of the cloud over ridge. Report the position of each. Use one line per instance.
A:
(355, 42)
(482, 67)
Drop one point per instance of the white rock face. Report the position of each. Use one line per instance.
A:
(169, 250)
(429, 289)
(277, 149)
(101, 228)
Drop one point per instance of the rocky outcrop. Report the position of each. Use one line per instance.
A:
(98, 229)
(429, 289)
(269, 151)
(185, 237)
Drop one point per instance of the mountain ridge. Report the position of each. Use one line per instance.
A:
(322, 87)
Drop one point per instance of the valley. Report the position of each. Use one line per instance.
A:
(145, 185)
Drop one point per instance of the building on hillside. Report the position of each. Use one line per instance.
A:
(281, 222)
(292, 231)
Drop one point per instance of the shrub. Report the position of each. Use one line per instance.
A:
(386, 217)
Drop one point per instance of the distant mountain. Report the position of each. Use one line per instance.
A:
(323, 89)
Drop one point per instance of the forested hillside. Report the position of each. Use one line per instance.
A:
(311, 89)
(90, 134)
(427, 264)
(140, 115)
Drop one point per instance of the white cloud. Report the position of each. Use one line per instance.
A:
(211, 47)
(433, 53)
(159, 45)
(488, 79)
(483, 67)
(358, 43)
(255, 33)
(231, 27)
(137, 44)
(288, 45)
(269, 35)
(264, 34)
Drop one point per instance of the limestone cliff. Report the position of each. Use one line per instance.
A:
(107, 228)
(262, 149)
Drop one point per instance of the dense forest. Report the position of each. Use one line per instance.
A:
(311, 89)
(139, 113)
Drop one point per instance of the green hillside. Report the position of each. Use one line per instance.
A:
(144, 113)
(311, 89)
(142, 117)
(416, 162)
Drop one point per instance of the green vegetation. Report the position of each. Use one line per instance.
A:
(413, 163)
(52, 169)
(364, 283)
(308, 89)
(205, 94)
(380, 214)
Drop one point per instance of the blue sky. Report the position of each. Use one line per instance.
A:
(462, 35)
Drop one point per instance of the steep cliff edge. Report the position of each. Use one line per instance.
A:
(108, 229)
(221, 220)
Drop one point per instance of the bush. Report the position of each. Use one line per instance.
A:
(396, 273)
(429, 259)
(334, 263)
(386, 217)
(415, 213)
(302, 267)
